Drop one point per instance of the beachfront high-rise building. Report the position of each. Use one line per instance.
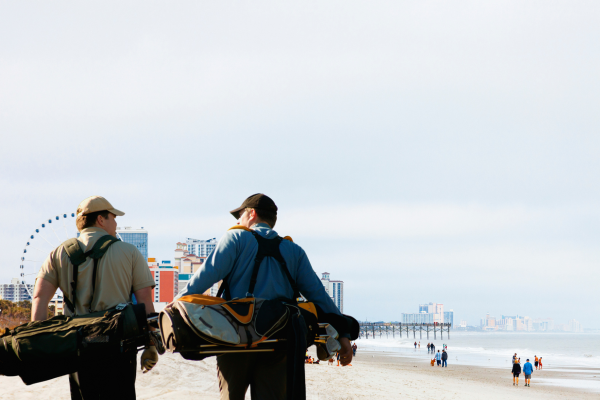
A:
(429, 313)
(507, 323)
(16, 291)
(201, 248)
(543, 325)
(166, 279)
(489, 323)
(575, 326)
(449, 317)
(335, 289)
(137, 237)
(188, 263)
(417, 318)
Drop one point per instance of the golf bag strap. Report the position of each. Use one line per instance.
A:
(260, 255)
(270, 248)
(78, 257)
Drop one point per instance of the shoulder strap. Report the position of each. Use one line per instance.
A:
(224, 288)
(97, 252)
(270, 248)
(78, 257)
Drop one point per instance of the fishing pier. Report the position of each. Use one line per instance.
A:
(373, 330)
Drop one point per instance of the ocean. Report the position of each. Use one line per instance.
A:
(578, 354)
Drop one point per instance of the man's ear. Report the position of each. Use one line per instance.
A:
(99, 221)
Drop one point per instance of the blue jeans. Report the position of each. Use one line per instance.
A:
(444, 363)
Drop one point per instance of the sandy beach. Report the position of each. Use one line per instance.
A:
(373, 375)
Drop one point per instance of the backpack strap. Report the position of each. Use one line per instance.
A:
(266, 248)
(78, 257)
(270, 248)
(97, 252)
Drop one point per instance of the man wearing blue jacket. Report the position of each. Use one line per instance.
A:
(527, 370)
(232, 261)
(438, 357)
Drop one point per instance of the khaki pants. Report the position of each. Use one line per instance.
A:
(265, 373)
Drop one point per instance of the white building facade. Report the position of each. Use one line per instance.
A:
(335, 289)
(200, 248)
(188, 263)
(429, 314)
(16, 291)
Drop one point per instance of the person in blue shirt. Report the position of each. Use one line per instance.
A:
(232, 261)
(527, 370)
(438, 357)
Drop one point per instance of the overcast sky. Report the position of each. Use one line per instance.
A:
(418, 151)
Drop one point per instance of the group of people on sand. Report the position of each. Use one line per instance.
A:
(310, 360)
(527, 369)
(439, 358)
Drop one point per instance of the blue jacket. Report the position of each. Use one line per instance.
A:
(235, 255)
(438, 356)
(527, 368)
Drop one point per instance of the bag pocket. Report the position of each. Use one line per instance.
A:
(270, 317)
(208, 322)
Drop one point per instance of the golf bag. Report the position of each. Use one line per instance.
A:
(43, 350)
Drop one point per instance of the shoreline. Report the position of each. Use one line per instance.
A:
(373, 375)
(474, 380)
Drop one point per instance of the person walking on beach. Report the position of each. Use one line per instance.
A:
(444, 359)
(428, 347)
(536, 362)
(514, 360)
(438, 358)
(516, 371)
(233, 261)
(121, 271)
(540, 362)
(419, 345)
(432, 348)
(354, 347)
(527, 370)
(415, 345)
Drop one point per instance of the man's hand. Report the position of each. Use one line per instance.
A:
(149, 359)
(345, 352)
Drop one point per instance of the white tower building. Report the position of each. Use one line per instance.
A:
(335, 289)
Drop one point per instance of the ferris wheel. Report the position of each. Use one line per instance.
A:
(47, 236)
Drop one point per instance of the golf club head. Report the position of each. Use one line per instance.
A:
(332, 332)
(322, 353)
(328, 349)
(156, 339)
(333, 346)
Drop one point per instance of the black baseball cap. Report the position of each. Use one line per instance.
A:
(257, 201)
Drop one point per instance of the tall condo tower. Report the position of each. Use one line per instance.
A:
(335, 289)
(137, 237)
